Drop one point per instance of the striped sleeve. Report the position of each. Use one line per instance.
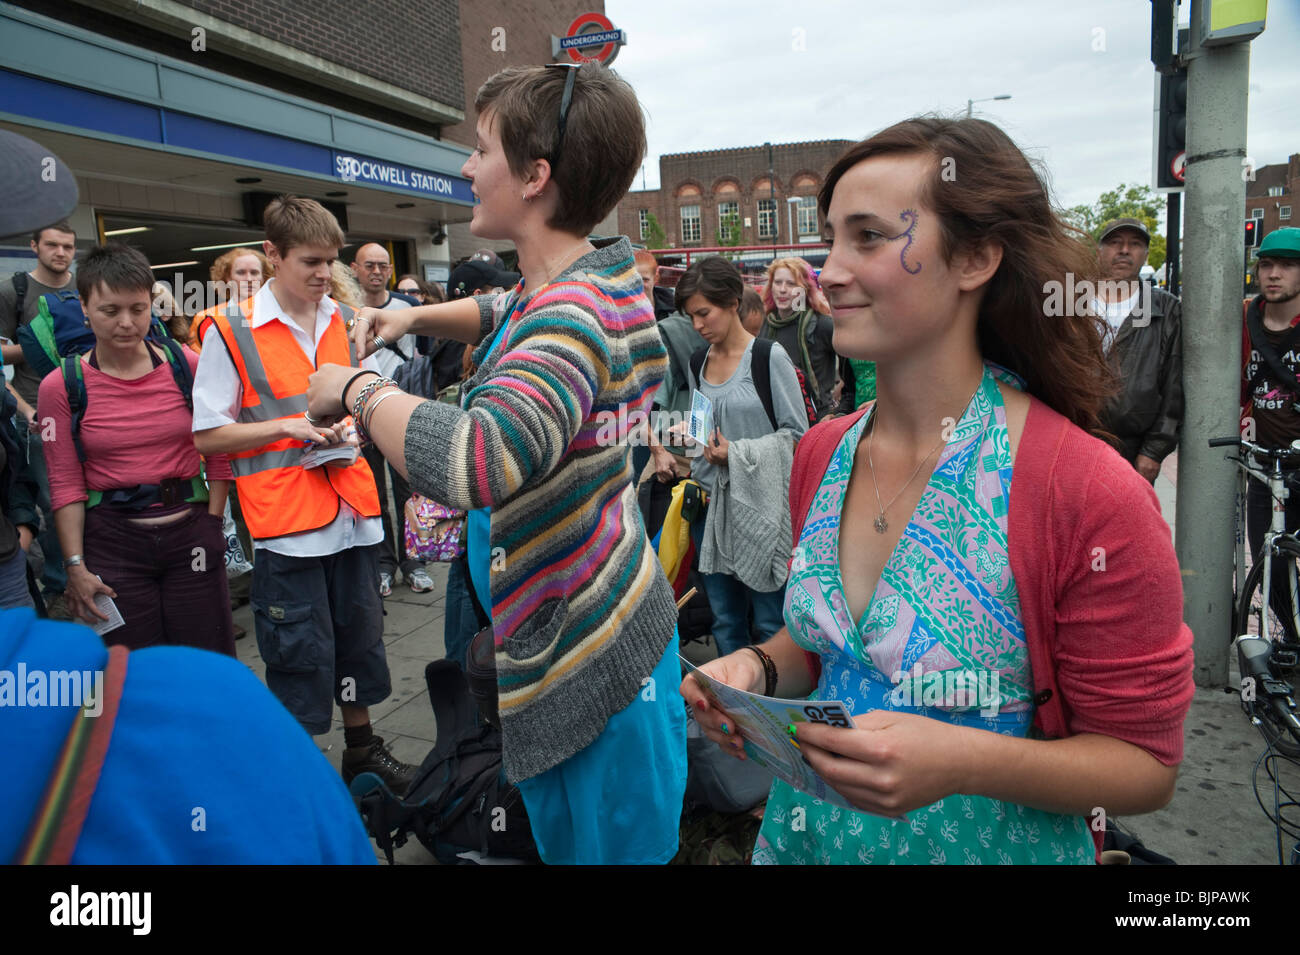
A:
(521, 419)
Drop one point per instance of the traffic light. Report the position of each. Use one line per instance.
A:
(1252, 233)
(1171, 130)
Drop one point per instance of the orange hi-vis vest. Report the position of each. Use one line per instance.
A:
(276, 494)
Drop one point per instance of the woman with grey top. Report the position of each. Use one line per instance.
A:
(709, 293)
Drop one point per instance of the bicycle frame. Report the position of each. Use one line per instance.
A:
(1278, 494)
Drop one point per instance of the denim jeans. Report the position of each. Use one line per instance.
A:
(460, 617)
(732, 603)
(392, 550)
(13, 582)
(54, 579)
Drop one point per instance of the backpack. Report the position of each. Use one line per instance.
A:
(74, 383)
(761, 368)
(459, 800)
(59, 329)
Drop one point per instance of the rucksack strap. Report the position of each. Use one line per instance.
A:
(182, 374)
(42, 326)
(20, 295)
(74, 383)
(56, 826)
(760, 367)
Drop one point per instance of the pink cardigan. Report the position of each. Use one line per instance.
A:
(1101, 595)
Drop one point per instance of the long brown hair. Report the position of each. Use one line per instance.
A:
(984, 189)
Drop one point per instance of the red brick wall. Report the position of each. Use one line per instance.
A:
(396, 42)
(527, 27)
(1286, 175)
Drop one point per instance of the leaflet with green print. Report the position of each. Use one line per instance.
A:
(763, 721)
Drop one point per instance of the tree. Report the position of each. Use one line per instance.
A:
(728, 231)
(1125, 201)
(655, 237)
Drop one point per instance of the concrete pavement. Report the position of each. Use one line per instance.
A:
(1213, 818)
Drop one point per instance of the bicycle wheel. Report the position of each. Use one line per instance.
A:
(1252, 605)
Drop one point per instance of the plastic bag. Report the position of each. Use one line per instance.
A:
(433, 531)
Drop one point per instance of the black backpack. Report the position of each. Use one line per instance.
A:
(459, 799)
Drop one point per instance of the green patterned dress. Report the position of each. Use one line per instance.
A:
(942, 638)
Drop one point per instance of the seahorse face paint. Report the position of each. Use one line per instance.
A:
(910, 217)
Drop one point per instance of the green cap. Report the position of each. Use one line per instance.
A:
(1281, 244)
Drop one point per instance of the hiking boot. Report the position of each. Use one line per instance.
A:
(419, 581)
(385, 584)
(375, 758)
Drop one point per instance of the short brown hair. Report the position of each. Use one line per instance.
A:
(751, 302)
(117, 267)
(60, 226)
(293, 220)
(604, 135)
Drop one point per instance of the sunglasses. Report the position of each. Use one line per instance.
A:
(565, 101)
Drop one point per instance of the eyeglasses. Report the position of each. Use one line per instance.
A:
(565, 100)
(376, 266)
(409, 289)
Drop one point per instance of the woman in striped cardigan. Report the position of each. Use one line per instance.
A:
(568, 362)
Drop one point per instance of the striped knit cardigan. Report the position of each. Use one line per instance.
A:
(581, 609)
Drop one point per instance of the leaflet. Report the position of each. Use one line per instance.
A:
(314, 457)
(762, 722)
(701, 422)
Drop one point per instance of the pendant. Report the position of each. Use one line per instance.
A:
(880, 524)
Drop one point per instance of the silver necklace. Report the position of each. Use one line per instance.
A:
(880, 524)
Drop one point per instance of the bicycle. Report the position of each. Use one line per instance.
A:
(1271, 606)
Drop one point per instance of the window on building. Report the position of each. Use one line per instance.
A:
(1275, 190)
(728, 220)
(1257, 213)
(690, 224)
(1284, 212)
(644, 217)
(767, 218)
(808, 216)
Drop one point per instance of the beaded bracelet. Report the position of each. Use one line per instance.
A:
(371, 386)
(769, 670)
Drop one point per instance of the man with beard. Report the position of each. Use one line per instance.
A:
(1145, 346)
(1270, 350)
(55, 246)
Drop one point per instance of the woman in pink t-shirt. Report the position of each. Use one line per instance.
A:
(134, 514)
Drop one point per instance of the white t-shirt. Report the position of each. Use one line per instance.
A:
(388, 361)
(218, 393)
(1115, 313)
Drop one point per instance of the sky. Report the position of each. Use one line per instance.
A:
(716, 75)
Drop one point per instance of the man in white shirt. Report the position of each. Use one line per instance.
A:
(373, 270)
(1145, 347)
(317, 609)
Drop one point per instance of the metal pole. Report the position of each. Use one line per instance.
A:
(1172, 238)
(970, 103)
(1216, 140)
(789, 221)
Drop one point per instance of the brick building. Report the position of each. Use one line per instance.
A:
(1272, 195)
(729, 197)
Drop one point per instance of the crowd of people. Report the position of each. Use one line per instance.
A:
(906, 466)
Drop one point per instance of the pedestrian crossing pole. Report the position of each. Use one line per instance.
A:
(1218, 77)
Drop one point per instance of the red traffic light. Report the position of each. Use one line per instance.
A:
(1252, 233)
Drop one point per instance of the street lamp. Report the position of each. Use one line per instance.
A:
(971, 102)
(790, 203)
(771, 185)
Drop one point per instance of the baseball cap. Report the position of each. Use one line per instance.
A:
(38, 188)
(1281, 244)
(1114, 225)
(475, 274)
(490, 257)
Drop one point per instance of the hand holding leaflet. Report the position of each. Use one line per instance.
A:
(761, 722)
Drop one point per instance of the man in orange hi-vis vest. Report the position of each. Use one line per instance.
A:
(315, 595)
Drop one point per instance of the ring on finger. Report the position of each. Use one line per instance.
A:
(314, 422)
(378, 342)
